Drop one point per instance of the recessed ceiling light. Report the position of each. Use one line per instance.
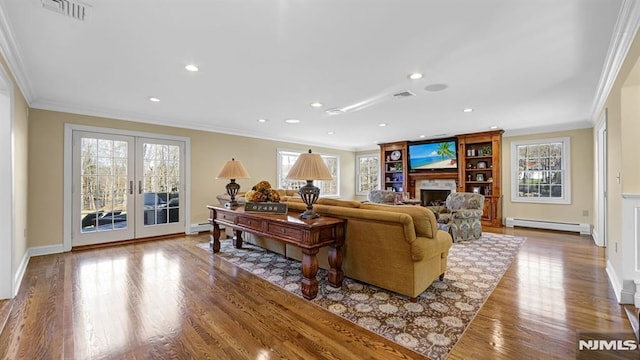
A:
(415, 76)
(292, 121)
(436, 87)
(154, 99)
(262, 121)
(191, 67)
(468, 110)
(422, 136)
(331, 132)
(493, 127)
(316, 104)
(382, 124)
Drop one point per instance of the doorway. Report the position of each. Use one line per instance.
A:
(125, 185)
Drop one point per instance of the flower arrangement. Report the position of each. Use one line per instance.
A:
(262, 192)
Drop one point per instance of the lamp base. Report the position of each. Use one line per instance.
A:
(309, 194)
(309, 214)
(232, 191)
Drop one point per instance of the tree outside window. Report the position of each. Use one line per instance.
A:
(286, 159)
(367, 173)
(541, 171)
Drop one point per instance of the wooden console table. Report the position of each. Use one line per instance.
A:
(308, 235)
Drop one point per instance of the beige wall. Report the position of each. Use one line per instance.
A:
(582, 153)
(20, 138)
(209, 151)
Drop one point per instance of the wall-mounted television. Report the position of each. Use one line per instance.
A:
(433, 155)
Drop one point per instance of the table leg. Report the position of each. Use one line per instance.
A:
(214, 241)
(237, 239)
(335, 258)
(335, 262)
(309, 272)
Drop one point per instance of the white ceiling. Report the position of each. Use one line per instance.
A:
(520, 64)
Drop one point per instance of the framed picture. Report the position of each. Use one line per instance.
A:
(479, 177)
(476, 189)
(482, 165)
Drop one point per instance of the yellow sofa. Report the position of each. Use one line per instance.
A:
(395, 247)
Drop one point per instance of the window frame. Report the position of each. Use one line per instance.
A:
(359, 190)
(565, 171)
(280, 176)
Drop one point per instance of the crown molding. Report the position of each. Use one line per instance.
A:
(623, 35)
(548, 129)
(11, 53)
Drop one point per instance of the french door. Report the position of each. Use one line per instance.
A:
(125, 187)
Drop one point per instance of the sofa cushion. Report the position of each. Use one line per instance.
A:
(423, 219)
(337, 202)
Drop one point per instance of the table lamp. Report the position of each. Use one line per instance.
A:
(309, 167)
(232, 170)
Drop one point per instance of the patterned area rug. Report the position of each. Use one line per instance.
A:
(431, 326)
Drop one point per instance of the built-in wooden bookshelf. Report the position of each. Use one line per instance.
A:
(393, 157)
(479, 170)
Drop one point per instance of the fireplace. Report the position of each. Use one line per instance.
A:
(430, 197)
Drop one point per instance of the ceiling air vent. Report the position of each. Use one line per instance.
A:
(403, 94)
(73, 9)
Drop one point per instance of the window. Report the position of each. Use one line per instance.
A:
(367, 171)
(541, 171)
(286, 159)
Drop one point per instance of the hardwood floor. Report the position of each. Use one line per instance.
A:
(169, 299)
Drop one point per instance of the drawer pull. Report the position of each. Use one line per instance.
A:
(284, 231)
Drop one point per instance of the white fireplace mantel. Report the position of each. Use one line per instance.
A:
(436, 184)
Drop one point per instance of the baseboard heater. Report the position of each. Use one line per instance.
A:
(583, 229)
(201, 227)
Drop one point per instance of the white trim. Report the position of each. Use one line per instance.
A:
(67, 182)
(600, 218)
(22, 268)
(566, 171)
(628, 292)
(583, 229)
(548, 129)
(45, 250)
(613, 280)
(31, 252)
(625, 293)
(13, 57)
(7, 189)
(624, 32)
(198, 228)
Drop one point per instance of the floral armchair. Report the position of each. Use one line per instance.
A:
(383, 196)
(465, 211)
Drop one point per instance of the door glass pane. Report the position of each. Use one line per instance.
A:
(103, 184)
(161, 183)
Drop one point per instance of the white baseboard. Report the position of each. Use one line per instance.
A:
(624, 294)
(198, 228)
(583, 229)
(22, 268)
(31, 252)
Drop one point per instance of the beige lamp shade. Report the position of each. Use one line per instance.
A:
(309, 167)
(233, 169)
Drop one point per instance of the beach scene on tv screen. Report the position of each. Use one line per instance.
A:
(433, 156)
